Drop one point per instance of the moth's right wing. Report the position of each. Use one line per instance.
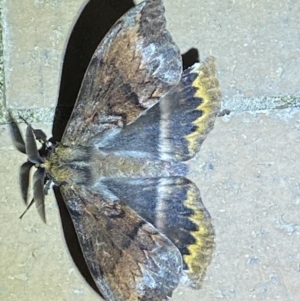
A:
(174, 128)
(127, 257)
(136, 63)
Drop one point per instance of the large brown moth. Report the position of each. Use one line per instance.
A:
(120, 165)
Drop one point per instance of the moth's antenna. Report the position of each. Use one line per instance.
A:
(34, 157)
(22, 118)
(30, 204)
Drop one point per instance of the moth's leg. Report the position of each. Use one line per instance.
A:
(40, 135)
(27, 208)
(224, 112)
(47, 186)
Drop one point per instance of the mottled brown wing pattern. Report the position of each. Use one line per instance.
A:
(135, 64)
(127, 257)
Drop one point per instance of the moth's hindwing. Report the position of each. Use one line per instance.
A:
(174, 206)
(136, 63)
(127, 257)
(208, 93)
(175, 128)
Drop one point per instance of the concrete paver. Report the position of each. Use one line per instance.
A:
(247, 169)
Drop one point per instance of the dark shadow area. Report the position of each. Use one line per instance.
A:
(190, 58)
(93, 23)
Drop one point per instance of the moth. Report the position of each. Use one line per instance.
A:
(121, 163)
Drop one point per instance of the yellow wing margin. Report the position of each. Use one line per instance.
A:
(207, 89)
(200, 252)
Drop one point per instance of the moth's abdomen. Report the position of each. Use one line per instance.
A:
(86, 165)
(126, 165)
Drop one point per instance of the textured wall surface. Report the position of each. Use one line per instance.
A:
(247, 169)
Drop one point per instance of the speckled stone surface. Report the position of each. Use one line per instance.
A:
(247, 169)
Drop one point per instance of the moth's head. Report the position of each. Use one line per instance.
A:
(35, 158)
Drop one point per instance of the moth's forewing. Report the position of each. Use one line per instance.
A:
(135, 64)
(127, 257)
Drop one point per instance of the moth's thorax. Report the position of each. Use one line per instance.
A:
(69, 164)
(87, 165)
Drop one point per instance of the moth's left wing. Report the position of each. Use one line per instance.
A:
(136, 63)
(127, 257)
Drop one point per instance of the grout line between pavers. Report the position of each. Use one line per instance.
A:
(241, 103)
(235, 104)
